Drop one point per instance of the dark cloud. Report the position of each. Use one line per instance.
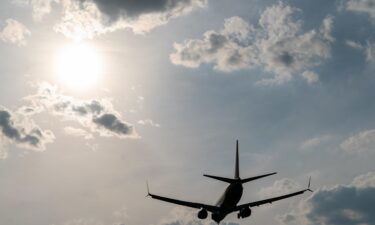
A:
(87, 18)
(96, 115)
(25, 134)
(111, 123)
(340, 205)
(117, 9)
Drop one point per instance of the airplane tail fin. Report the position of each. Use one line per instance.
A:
(237, 166)
(237, 178)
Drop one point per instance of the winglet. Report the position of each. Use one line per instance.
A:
(308, 186)
(148, 190)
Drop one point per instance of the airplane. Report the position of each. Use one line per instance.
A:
(227, 203)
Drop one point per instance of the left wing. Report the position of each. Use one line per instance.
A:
(196, 205)
(270, 200)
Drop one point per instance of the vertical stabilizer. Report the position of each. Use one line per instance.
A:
(237, 166)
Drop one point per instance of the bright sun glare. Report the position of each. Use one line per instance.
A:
(78, 66)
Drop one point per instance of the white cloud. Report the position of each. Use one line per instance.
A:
(310, 77)
(368, 49)
(78, 132)
(362, 6)
(83, 221)
(86, 19)
(3, 151)
(279, 187)
(354, 44)
(14, 32)
(40, 8)
(370, 52)
(148, 122)
(277, 44)
(314, 142)
(359, 143)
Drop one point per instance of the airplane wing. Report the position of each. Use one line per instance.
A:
(270, 200)
(209, 208)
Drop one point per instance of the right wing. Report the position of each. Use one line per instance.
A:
(210, 208)
(274, 199)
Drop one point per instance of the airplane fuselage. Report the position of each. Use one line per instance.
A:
(228, 201)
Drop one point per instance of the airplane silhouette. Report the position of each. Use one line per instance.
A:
(229, 199)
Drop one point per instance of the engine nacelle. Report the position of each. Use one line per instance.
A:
(244, 212)
(202, 214)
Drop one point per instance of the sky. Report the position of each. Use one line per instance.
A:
(97, 97)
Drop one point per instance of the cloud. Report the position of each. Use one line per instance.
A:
(78, 132)
(95, 115)
(314, 142)
(359, 143)
(368, 49)
(40, 8)
(23, 132)
(340, 205)
(354, 44)
(85, 19)
(362, 6)
(182, 216)
(279, 187)
(148, 122)
(310, 77)
(277, 44)
(14, 32)
(370, 52)
(83, 221)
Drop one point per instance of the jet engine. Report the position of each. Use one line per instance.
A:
(244, 212)
(202, 214)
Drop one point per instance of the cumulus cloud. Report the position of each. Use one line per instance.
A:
(87, 18)
(77, 132)
(14, 32)
(23, 132)
(182, 216)
(339, 205)
(362, 6)
(96, 115)
(276, 44)
(40, 8)
(360, 143)
(279, 187)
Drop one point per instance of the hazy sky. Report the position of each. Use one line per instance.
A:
(98, 96)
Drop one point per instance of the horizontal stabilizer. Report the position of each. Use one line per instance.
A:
(228, 180)
(255, 178)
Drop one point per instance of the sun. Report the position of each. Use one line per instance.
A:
(78, 66)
